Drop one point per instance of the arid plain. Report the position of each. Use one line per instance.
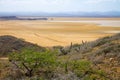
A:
(58, 31)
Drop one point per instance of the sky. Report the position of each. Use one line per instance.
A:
(53, 6)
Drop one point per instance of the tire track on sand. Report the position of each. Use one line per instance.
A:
(48, 38)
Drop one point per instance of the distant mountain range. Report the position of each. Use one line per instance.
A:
(63, 14)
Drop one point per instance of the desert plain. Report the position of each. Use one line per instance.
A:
(60, 31)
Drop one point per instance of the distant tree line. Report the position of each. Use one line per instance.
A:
(17, 18)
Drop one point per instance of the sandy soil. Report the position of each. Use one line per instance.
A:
(54, 33)
(82, 18)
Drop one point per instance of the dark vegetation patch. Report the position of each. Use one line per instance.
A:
(18, 18)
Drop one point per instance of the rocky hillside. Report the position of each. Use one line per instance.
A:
(108, 46)
(10, 44)
(104, 53)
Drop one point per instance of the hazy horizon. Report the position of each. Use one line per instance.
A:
(59, 6)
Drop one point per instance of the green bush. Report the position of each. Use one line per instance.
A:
(30, 61)
(80, 67)
(84, 70)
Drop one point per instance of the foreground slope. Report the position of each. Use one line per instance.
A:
(104, 53)
(96, 60)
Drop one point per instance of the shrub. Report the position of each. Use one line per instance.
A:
(84, 70)
(80, 67)
(29, 60)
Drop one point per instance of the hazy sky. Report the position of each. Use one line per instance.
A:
(59, 5)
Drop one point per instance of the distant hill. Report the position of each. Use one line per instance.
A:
(20, 18)
(63, 14)
(10, 44)
(8, 18)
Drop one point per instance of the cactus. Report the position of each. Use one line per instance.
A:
(63, 51)
(66, 51)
